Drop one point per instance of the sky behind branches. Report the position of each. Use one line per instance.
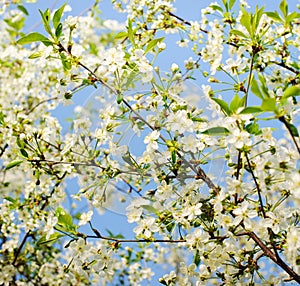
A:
(189, 10)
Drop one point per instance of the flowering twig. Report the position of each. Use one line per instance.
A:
(288, 127)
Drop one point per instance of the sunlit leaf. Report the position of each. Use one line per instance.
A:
(13, 164)
(223, 104)
(57, 16)
(152, 44)
(34, 37)
(216, 131)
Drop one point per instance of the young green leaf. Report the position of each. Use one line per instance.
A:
(13, 164)
(251, 110)
(223, 104)
(231, 3)
(291, 91)
(269, 104)
(1, 118)
(34, 37)
(53, 237)
(238, 33)
(293, 129)
(152, 44)
(283, 8)
(255, 88)
(23, 9)
(57, 16)
(58, 30)
(121, 35)
(46, 21)
(291, 17)
(236, 102)
(130, 33)
(253, 128)
(24, 153)
(119, 97)
(150, 209)
(65, 61)
(274, 16)
(216, 131)
(246, 21)
(256, 18)
(216, 8)
(36, 55)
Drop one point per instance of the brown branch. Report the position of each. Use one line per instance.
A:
(283, 65)
(274, 257)
(29, 233)
(288, 127)
(257, 186)
(40, 103)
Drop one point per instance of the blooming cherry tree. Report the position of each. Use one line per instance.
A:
(192, 219)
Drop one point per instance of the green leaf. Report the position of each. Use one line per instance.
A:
(57, 16)
(36, 55)
(152, 44)
(225, 3)
(264, 87)
(16, 25)
(13, 164)
(283, 8)
(231, 3)
(251, 110)
(246, 21)
(197, 258)
(223, 104)
(53, 237)
(23, 9)
(238, 33)
(130, 33)
(58, 30)
(256, 18)
(255, 88)
(65, 62)
(216, 8)
(216, 131)
(236, 103)
(173, 155)
(46, 21)
(1, 118)
(34, 37)
(119, 97)
(269, 104)
(292, 16)
(65, 221)
(150, 209)
(11, 200)
(275, 16)
(291, 91)
(293, 129)
(121, 35)
(24, 153)
(63, 216)
(253, 128)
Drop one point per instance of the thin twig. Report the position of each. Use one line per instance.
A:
(288, 127)
(40, 103)
(257, 186)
